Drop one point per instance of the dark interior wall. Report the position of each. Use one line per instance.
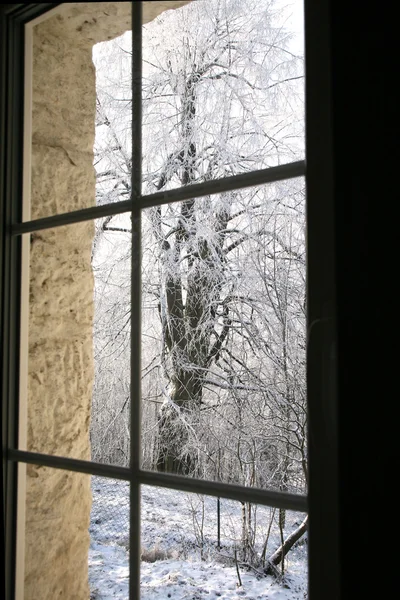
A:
(365, 119)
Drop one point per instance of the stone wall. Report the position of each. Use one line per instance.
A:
(61, 291)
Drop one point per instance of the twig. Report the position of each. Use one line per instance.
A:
(237, 570)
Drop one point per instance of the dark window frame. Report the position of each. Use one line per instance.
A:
(324, 574)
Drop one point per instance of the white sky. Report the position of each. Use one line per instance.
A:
(295, 23)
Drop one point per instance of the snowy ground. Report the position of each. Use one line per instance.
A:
(180, 559)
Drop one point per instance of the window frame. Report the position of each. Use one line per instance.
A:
(322, 498)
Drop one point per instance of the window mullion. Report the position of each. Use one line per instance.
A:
(195, 190)
(11, 188)
(226, 184)
(230, 491)
(135, 392)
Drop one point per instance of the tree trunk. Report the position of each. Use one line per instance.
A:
(281, 552)
(187, 332)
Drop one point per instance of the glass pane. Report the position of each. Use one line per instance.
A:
(76, 535)
(109, 539)
(223, 338)
(223, 91)
(110, 416)
(200, 547)
(78, 357)
(64, 124)
(113, 142)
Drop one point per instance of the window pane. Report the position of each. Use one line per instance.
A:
(110, 420)
(223, 91)
(78, 357)
(198, 547)
(56, 537)
(64, 125)
(76, 538)
(109, 539)
(223, 338)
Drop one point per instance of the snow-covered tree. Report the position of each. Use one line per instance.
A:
(223, 276)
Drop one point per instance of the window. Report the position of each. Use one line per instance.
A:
(320, 294)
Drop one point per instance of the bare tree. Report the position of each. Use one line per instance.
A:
(223, 276)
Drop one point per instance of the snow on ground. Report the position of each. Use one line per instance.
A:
(180, 559)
